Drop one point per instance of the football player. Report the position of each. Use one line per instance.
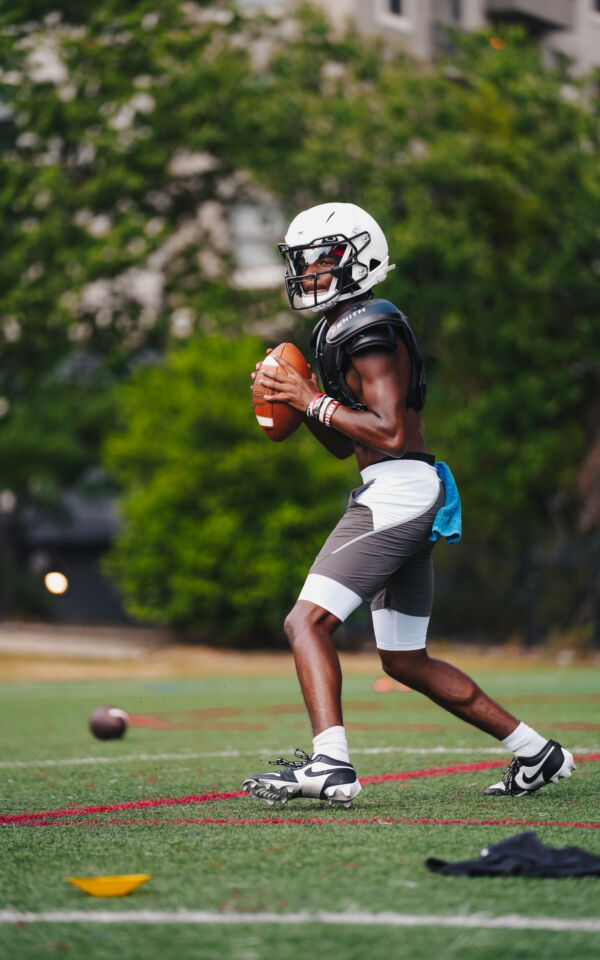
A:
(373, 379)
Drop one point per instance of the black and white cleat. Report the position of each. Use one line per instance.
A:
(313, 778)
(525, 775)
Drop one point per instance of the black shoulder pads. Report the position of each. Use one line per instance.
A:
(366, 323)
(360, 316)
(381, 336)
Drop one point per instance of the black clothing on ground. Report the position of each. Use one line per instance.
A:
(523, 855)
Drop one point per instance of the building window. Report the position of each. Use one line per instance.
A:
(256, 229)
(397, 14)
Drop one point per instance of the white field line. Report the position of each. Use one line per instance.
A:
(224, 754)
(481, 921)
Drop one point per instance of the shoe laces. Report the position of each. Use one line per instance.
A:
(510, 772)
(303, 757)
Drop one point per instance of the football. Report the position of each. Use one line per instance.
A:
(108, 723)
(279, 420)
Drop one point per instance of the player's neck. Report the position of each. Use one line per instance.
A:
(338, 309)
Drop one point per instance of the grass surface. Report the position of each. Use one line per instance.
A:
(243, 868)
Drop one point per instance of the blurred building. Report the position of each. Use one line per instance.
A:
(564, 27)
(63, 556)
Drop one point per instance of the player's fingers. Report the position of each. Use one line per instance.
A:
(285, 363)
(271, 383)
(288, 370)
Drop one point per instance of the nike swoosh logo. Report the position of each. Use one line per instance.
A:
(324, 773)
(527, 779)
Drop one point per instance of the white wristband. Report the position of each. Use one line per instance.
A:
(323, 408)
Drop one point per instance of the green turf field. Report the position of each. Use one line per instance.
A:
(202, 736)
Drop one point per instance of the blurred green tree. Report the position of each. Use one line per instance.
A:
(220, 524)
(118, 176)
(138, 130)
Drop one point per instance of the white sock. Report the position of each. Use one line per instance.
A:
(524, 741)
(332, 742)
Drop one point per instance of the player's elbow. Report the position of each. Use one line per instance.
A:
(393, 440)
(394, 449)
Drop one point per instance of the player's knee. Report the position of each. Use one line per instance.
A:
(305, 618)
(291, 624)
(406, 666)
(298, 621)
(388, 664)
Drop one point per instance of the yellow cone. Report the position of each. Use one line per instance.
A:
(117, 886)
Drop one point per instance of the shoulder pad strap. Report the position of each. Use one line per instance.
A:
(317, 330)
(360, 316)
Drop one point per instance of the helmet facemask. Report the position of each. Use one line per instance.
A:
(334, 256)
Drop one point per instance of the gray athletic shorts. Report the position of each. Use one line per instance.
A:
(380, 553)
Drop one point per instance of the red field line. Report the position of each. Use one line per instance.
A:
(30, 817)
(111, 807)
(300, 821)
(436, 771)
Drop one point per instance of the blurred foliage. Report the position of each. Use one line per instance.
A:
(104, 222)
(221, 524)
(483, 171)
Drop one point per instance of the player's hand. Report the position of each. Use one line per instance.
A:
(287, 385)
(258, 366)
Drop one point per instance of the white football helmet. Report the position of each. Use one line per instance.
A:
(351, 244)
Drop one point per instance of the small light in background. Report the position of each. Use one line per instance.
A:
(497, 43)
(56, 582)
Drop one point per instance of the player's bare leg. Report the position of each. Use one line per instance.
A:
(449, 687)
(309, 629)
(327, 774)
(537, 761)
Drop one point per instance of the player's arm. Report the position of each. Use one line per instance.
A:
(337, 444)
(381, 426)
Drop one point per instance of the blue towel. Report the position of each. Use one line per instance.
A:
(447, 521)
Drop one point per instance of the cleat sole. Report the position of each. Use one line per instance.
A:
(343, 794)
(272, 793)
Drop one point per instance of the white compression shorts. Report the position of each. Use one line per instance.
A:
(380, 553)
